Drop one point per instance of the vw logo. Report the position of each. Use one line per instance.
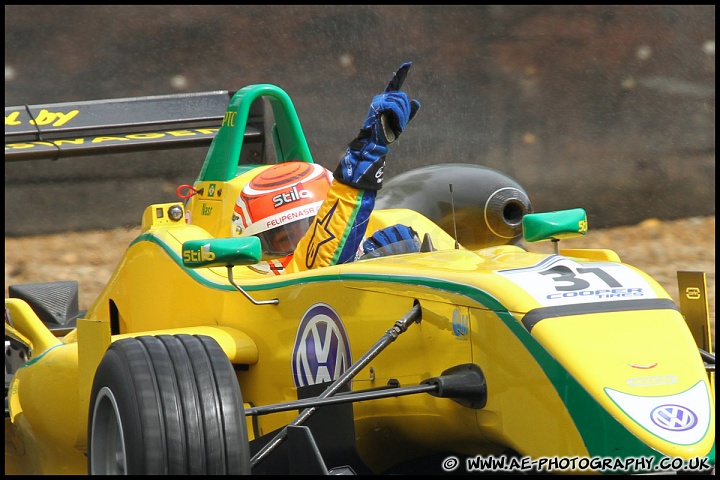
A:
(322, 351)
(673, 417)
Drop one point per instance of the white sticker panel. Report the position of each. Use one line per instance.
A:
(560, 281)
(683, 418)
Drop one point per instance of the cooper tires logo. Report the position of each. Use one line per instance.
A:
(322, 351)
(673, 417)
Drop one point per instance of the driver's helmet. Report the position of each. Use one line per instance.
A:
(279, 204)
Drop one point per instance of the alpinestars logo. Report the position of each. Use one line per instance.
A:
(322, 351)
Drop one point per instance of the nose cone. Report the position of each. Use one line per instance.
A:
(644, 369)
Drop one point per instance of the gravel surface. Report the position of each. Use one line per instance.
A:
(659, 248)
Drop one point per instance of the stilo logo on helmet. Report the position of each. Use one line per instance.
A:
(281, 195)
(292, 196)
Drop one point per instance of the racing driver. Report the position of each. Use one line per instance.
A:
(307, 218)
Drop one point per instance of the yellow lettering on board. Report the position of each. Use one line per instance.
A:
(182, 133)
(12, 119)
(107, 139)
(56, 119)
(141, 136)
(19, 146)
(75, 141)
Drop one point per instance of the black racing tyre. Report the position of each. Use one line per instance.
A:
(167, 405)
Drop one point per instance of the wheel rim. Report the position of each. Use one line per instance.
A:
(107, 444)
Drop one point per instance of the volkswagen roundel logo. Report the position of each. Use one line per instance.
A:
(673, 417)
(322, 351)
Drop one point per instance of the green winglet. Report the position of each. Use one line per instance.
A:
(221, 252)
(554, 225)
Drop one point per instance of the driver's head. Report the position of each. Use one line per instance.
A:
(279, 204)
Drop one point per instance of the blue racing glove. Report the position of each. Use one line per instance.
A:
(364, 160)
(392, 241)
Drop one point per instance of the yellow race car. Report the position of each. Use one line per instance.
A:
(471, 355)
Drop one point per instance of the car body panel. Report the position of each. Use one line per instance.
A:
(581, 355)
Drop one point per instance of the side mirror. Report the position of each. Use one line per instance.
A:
(221, 252)
(225, 252)
(554, 225)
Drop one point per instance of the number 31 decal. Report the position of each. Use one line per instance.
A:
(559, 281)
(571, 280)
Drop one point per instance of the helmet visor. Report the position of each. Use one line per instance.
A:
(281, 241)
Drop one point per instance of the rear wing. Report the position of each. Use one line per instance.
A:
(232, 123)
(61, 130)
(254, 126)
